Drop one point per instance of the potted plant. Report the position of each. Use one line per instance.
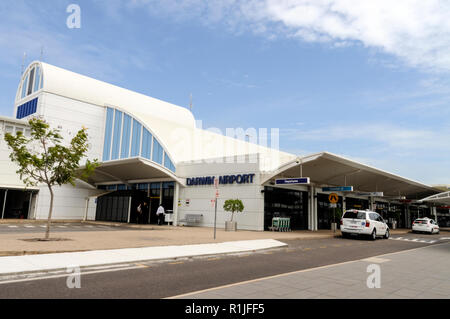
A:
(233, 206)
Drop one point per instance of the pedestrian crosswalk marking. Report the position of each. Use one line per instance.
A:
(418, 240)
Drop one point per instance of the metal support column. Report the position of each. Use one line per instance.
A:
(175, 204)
(314, 210)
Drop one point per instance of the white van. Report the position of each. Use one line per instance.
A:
(363, 222)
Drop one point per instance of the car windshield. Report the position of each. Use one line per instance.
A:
(355, 215)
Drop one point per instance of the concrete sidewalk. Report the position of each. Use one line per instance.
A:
(422, 273)
(62, 261)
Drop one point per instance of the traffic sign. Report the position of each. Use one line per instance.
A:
(333, 198)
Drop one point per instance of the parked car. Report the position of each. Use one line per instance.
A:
(425, 225)
(364, 222)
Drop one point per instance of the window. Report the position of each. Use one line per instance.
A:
(37, 78)
(108, 137)
(24, 87)
(355, 215)
(146, 144)
(9, 129)
(31, 82)
(157, 152)
(117, 135)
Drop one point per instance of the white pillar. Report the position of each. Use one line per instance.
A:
(4, 204)
(175, 204)
(344, 205)
(314, 211)
(86, 209)
(310, 201)
(129, 209)
(372, 202)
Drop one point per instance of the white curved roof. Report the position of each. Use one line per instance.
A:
(79, 87)
(173, 125)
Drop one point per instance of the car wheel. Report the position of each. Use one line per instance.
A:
(386, 236)
(374, 235)
(344, 235)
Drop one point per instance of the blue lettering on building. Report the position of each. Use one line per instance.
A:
(223, 180)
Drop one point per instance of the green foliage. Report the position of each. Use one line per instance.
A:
(42, 159)
(233, 205)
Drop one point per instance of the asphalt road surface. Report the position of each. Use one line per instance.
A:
(171, 278)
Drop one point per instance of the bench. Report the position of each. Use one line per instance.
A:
(192, 218)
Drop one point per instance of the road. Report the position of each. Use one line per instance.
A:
(171, 278)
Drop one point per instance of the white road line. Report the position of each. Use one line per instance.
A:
(12, 226)
(62, 226)
(66, 275)
(29, 226)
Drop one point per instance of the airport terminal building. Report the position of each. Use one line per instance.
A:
(155, 152)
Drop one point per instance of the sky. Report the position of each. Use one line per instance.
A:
(368, 80)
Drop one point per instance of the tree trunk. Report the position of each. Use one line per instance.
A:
(50, 211)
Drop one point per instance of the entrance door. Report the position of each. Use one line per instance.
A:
(155, 200)
(325, 214)
(280, 202)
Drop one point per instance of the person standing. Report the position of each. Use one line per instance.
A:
(160, 213)
(139, 211)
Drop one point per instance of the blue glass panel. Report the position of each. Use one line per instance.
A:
(24, 87)
(108, 133)
(125, 151)
(146, 144)
(111, 187)
(142, 186)
(136, 139)
(157, 152)
(155, 185)
(168, 163)
(37, 77)
(121, 187)
(116, 137)
(42, 81)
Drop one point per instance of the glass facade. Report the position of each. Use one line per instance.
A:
(33, 81)
(126, 137)
(27, 109)
(327, 214)
(279, 202)
(114, 206)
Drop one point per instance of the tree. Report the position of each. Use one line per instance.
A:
(233, 205)
(43, 159)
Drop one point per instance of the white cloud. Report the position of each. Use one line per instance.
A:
(384, 136)
(415, 31)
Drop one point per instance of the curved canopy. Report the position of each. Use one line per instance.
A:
(441, 198)
(327, 169)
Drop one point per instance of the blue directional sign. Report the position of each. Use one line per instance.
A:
(292, 181)
(338, 189)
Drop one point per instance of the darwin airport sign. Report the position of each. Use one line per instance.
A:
(223, 180)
